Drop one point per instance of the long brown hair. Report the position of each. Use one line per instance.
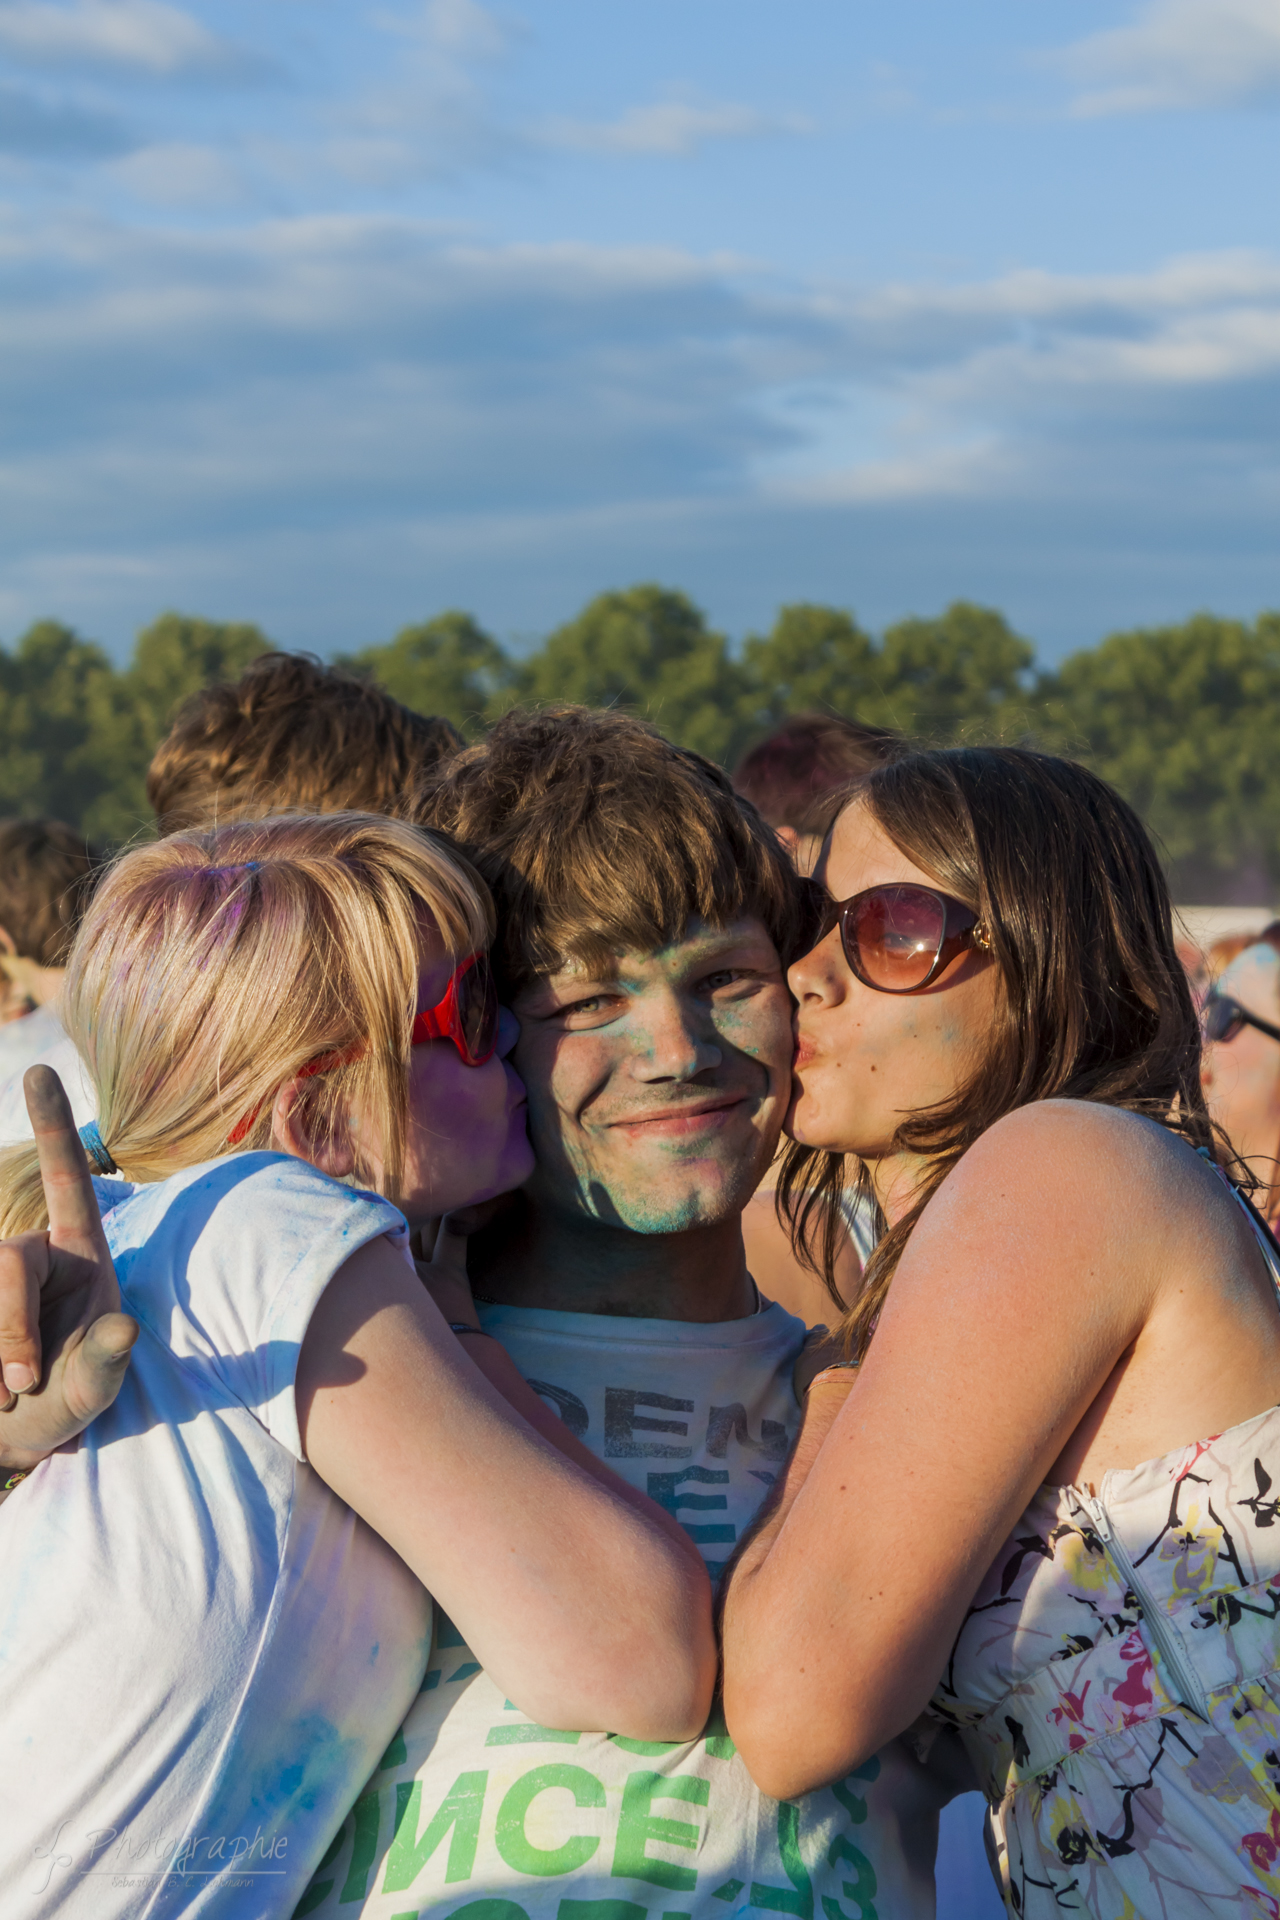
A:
(1093, 1002)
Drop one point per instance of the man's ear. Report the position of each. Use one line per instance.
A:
(7, 942)
(293, 1130)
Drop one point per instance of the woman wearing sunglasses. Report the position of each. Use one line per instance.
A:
(215, 1613)
(1241, 1072)
(1034, 1495)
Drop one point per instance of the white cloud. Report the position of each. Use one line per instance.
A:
(465, 28)
(178, 174)
(317, 418)
(1179, 54)
(145, 35)
(672, 127)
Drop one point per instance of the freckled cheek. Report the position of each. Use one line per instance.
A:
(557, 1081)
(763, 1033)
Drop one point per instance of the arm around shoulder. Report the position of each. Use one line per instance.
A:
(587, 1611)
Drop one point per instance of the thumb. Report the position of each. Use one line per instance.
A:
(97, 1366)
(449, 1258)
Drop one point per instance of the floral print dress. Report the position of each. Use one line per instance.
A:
(1116, 1682)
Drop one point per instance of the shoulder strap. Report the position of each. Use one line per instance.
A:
(1261, 1231)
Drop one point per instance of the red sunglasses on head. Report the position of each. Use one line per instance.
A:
(899, 938)
(467, 1015)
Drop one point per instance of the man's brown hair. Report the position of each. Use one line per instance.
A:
(291, 733)
(47, 873)
(598, 837)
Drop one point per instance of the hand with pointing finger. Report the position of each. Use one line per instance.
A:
(64, 1343)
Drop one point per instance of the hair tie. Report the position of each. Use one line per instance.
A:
(92, 1142)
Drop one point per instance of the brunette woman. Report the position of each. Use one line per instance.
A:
(1037, 1497)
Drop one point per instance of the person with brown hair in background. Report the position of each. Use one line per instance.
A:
(794, 775)
(47, 872)
(797, 777)
(289, 734)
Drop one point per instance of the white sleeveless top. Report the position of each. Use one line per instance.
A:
(203, 1652)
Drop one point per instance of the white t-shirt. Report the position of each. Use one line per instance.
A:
(39, 1040)
(202, 1650)
(475, 1811)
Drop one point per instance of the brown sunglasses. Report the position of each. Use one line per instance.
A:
(899, 938)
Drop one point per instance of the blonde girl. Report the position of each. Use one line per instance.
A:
(215, 1614)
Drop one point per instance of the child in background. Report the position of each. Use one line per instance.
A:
(213, 1620)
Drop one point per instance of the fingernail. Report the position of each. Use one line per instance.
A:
(18, 1378)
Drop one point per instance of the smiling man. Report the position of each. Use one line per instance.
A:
(643, 915)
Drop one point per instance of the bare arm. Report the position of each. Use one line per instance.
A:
(590, 1611)
(445, 1278)
(1033, 1272)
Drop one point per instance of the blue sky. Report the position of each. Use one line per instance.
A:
(332, 315)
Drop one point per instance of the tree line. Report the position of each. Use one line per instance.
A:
(1183, 719)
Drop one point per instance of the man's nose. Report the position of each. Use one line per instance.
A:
(680, 1044)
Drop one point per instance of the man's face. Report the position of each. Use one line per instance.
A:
(656, 1093)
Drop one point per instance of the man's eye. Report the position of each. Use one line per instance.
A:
(595, 1008)
(727, 977)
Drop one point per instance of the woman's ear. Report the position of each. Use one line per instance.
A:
(295, 1129)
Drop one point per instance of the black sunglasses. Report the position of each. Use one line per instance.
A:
(899, 938)
(1221, 1018)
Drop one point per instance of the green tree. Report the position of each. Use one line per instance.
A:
(177, 655)
(815, 659)
(76, 736)
(1184, 721)
(648, 649)
(962, 676)
(67, 735)
(448, 666)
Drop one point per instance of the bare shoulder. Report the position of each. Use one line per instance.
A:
(1100, 1143)
(1086, 1170)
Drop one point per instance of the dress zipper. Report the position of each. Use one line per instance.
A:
(1177, 1668)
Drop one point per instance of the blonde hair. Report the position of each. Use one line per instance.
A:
(212, 965)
